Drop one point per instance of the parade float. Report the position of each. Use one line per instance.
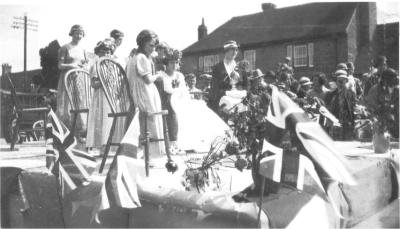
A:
(276, 168)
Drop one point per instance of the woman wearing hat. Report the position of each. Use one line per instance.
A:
(222, 73)
(305, 87)
(99, 124)
(341, 103)
(70, 56)
(191, 124)
(141, 75)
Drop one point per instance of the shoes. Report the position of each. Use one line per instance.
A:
(177, 151)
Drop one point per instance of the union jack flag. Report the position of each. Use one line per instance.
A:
(283, 114)
(120, 186)
(72, 167)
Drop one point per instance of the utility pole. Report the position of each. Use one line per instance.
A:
(25, 24)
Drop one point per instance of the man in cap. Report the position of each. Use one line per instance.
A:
(341, 103)
(221, 75)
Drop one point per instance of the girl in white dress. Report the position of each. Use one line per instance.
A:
(172, 82)
(192, 126)
(141, 75)
(71, 56)
(99, 124)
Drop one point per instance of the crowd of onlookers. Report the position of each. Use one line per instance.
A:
(153, 64)
(374, 96)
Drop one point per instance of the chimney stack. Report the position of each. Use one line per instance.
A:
(268, 6)
(202, 30)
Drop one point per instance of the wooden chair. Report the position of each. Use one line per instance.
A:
(19, 107)
(79, 91)
(116, 89)
(38, 125)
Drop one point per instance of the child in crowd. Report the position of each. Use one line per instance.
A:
(195, 93)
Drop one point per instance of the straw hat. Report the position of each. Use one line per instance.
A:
(341, 74)
(231, 45)
(256, 74)
(305, 81)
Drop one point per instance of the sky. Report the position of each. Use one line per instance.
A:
(175, 21)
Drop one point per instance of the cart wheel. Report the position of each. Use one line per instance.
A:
(11, 131)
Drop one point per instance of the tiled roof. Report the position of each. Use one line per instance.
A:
(302, 21)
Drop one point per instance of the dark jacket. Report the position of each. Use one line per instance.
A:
(219, 84)
(332, 100)
(344, 112)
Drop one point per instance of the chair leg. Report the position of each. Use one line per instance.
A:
(166, 137)
(74, 123)
(45, 123)
(146, 146)
(107, 149)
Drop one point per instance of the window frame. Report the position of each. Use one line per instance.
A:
(208, 62)
(310, 54)
(253, 55)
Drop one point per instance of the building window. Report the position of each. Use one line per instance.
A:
(250, 56)
(289, 53)
(300, 55)
(209, 62)
(201, 63)
(310, 54)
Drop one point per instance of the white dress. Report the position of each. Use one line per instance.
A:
(147, 99)
(99, 124)
(198, 124)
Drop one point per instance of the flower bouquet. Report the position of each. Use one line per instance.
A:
(202, 173)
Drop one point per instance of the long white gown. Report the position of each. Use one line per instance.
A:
(198, 125)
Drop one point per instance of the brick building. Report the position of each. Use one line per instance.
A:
(317, 36)
(387, 42)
